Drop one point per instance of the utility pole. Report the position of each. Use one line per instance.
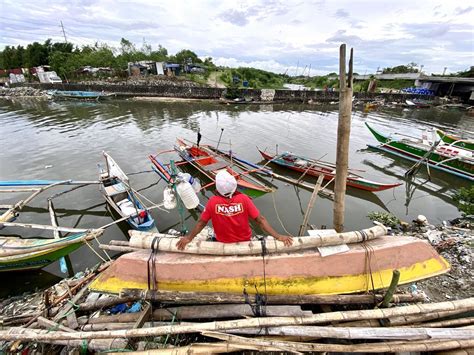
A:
(309, 70)
(444, 71)
(343, 134)
(64, 32)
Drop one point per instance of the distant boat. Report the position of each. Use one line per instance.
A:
(456, 141)
(453, 160)
(210, 163)
(120, 196)
(315, 167)
(81, 95)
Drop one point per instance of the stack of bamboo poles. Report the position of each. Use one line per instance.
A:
(217, 323)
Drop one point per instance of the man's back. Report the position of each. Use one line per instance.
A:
(230, 217)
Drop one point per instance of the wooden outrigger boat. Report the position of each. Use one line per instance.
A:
(299, 269)
(115, 188)
(209, 164)
(453, 160)
(17, 254)
(456, 141)
(314, 167)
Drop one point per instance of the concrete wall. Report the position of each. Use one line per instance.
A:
(217, 93)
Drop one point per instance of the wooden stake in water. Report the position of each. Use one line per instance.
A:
(343, 133)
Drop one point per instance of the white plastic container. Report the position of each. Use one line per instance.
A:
(169, 199)
(187, 195)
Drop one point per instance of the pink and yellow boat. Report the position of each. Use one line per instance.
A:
(299, 272)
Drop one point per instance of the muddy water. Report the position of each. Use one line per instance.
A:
(49, 140)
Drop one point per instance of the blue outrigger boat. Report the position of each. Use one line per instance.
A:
(117, 192)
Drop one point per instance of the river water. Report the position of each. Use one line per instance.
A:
(64, 140)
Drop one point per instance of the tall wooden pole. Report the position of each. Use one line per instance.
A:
(343, 133)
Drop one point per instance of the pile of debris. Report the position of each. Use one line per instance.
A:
(68, 316)
(454, 240)
(23, 91)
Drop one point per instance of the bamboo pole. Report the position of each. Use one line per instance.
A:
(343, 133)
(118, 248)
(44, 227)
(425, 317)
(144, 240)
(176, 297)
(389, 333)
(427, 345)
(444, 323)
(198, 348)
(311, 202)
(15, 333)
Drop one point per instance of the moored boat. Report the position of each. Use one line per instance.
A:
(81, 95)
(456, 141)
(115, 188)
(209, 164)
(17, 254)
(315, 167)
(293, 272)
(453, 160)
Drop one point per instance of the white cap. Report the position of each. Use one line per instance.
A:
(225, 183)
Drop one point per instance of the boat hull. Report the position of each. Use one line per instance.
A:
(450, 139)
(356, 182)
(37, 260)
(414, 153)
(201, 160)
(304, 272)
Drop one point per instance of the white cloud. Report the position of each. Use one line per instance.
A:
(269, 34)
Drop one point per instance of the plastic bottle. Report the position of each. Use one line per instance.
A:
(169, 199)
(196, 185)
(187, 195)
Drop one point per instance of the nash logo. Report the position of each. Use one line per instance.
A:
(229, 210)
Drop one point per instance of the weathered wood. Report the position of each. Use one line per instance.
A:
(168, 243)
(343, 135)
(44, 227)
(198, 348)
(391, 289)
(311, 202)
(52, 326)
(425, 317)
(39, 335)
(128, 294)
(389, 333)
(427, 345)
(119, 248)
(124, 243)
(145, 315)
(444, 323)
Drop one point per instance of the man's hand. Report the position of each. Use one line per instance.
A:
(183, 242)
(286, 239)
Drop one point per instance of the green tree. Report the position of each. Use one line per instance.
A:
(401, 69)
(187, 56)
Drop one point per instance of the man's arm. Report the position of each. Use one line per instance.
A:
(188, 238)
(263, 223)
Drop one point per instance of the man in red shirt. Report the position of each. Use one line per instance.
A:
(230, 212)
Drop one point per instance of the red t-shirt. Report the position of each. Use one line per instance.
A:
(230, 217)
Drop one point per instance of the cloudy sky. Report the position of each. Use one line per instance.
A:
(281, 36)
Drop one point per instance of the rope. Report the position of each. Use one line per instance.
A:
(105, 252)
(95, 252)
(278, 216)
(368, 263)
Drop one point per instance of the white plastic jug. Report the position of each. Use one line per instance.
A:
(169, 199)
(187, 195)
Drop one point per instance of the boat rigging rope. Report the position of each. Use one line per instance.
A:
(278, 216)
(369, 251)
(259, 309)
(151, 270)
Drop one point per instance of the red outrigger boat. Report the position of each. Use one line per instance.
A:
(209, 164)
(316, 167)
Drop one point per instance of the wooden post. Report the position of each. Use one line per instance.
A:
(391, 289)
(317, 187)
(343, 133)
